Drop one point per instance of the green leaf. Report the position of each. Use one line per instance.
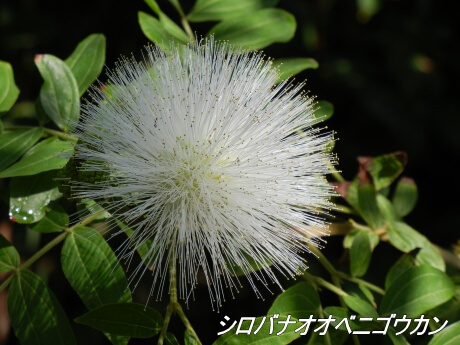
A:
(385, 169)
(36, 315)
(416, 291)
(217, 10)
(324, 110)
(154, 31)
(87, 60)
(361, 252)
(396, 339)
(172, 28)
(360, 306)
(189, 339)
(153, 5)
(406, 262)
(15, 143)
(263, 336)
(368, 208)
(9, 92)
(406, 239)
(288, 68)
(49, 154)
(93, 270)
(387, 209)
(59, 94)
(9, 257)
(170, 339)
(55, 219)
(339, 313)
(127, 319)
(300, 300)
(29, 196)
(448, 336)
(405, 196)
(256, 30)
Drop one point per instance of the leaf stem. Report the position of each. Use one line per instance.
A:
(183, 19)
(48, 132)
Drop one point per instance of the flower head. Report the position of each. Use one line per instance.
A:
(210, 160)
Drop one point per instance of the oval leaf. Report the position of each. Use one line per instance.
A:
(406, 239)
(448, 336)
(87, 60)
(36, 316)
(402, 265)
(300, 300)
(290, 67)
(29, 196)
(49, 154)
(263, 336)
(385, 169)
(9, 92)
(257, 30)
(128, 319)
(14, 144)
(367, 205)
(9, 256)
(364, 243)
(360, 306)
(59, 94)
(154, 31)
(324, 110)
(405, 196)
(92, 268)
(416, 291)
(217, 10)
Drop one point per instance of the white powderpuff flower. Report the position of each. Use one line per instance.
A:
(210, 160)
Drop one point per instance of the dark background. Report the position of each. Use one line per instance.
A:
(392, 78)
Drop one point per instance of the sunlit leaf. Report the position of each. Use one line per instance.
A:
(217, 10)
(448, 336)
(300, 300)
(49, 154)
(416, 291)
(87, 60)
(59, 94)
(9, 92)
(256, 30)
(405, 196)
(15, 143)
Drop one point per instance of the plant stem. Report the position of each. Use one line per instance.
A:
(183, 19)
(48, 132)
(370, 286)
(174, 306)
